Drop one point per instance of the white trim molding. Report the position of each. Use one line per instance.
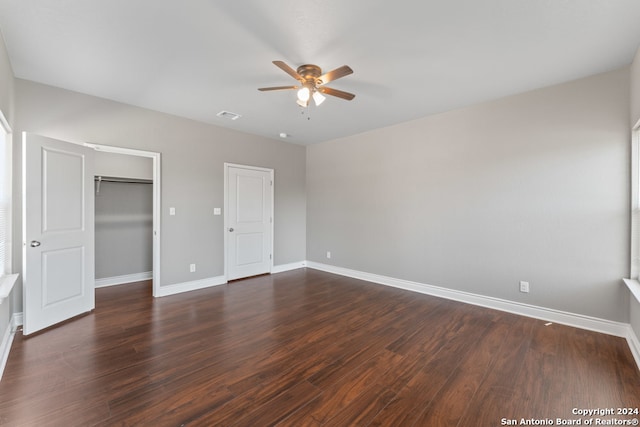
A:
(157, 202)
(288, 267)
(194, 285)
(571, 319)
(124, 279)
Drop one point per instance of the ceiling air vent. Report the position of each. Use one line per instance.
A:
(228, 115)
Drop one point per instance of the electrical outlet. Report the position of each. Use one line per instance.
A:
(328, 255)
(192, 268)
(524, 287)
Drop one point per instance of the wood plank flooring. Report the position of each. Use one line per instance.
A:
(307, 348)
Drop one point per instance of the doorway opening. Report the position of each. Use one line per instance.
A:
(144, 179)
(248, 220)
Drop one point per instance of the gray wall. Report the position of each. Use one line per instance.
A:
(193, 155)
(531, 187)
(124, 229)
(6, 83)
(635, 89)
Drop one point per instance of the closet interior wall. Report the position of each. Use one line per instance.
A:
(123, 218)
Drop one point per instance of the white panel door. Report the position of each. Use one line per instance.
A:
(249, 221)
(58, 231)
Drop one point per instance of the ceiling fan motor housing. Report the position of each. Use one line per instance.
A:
(309, 72)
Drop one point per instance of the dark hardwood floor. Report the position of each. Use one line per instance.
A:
(307, 348)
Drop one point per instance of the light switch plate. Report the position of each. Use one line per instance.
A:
(172, 211)
(217, 211)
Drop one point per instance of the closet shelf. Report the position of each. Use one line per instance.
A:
(121, 219)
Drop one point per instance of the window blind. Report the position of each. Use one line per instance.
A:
(5, 201)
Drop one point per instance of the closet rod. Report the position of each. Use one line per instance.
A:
(122, 180)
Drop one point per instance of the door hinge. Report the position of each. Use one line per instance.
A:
(271, 220)
(271, 183)
(269, 256)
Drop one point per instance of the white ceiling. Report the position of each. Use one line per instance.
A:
(410, 58)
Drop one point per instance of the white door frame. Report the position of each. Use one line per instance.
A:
(226, 209)
(156, 201)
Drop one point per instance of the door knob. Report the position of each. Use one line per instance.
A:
(35, 243)
(231, 230)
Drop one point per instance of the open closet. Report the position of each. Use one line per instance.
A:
(123, 219)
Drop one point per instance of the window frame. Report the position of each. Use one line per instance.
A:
(7, 279)
(7, 182)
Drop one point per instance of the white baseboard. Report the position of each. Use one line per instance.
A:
(571, 319)
(17, 320)
(121, 280)
(288, 267)
(194, 285)
(219, 280)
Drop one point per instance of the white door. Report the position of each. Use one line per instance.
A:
(58, 235)
(249, 220)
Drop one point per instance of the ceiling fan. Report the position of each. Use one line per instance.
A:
(312, 82)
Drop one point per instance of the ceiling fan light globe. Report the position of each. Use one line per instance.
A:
(303, 104)
(304, 94)
(318, 98)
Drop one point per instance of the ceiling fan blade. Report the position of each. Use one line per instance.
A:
(335, 92)
(284, 67)
(264, 89)
(345, 70)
